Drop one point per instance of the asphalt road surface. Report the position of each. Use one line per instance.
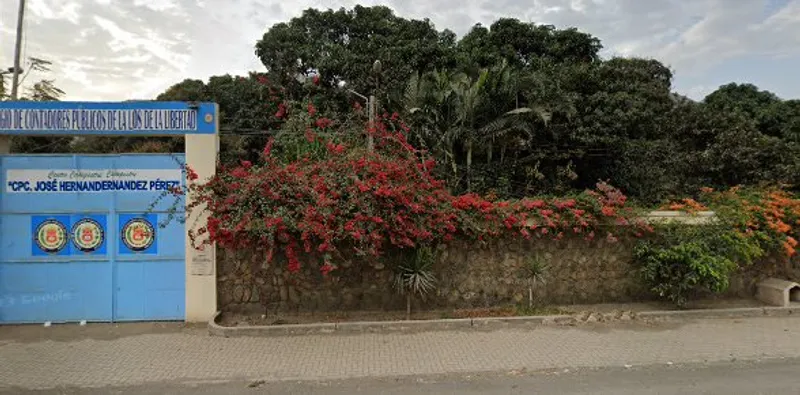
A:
(777, 376)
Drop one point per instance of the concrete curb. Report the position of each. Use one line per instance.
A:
(478, 323)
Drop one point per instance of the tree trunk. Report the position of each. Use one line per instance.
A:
(454, 166)
(489, 153)
(469, 166)
(408, 307)
(530, 297)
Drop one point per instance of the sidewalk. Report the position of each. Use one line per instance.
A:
(192, 355)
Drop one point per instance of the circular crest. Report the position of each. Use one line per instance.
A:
(87, 235)
(138, 234)
(51, 236)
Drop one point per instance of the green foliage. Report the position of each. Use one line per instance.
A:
(681, 260)
(677, 271)
(511, 109)
(535, 269)
(414, 277)
(342, 45)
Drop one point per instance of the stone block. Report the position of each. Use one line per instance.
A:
(777, 292)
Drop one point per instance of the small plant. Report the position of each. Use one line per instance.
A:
(415, 277)
(535, 271)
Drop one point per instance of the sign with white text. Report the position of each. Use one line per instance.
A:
(120, 118)
(90, 181)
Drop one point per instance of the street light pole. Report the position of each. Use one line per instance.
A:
(372, 110)
(17, 52)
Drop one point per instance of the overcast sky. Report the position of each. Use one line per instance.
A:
(134, 49)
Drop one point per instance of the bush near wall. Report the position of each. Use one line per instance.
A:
(748, 226)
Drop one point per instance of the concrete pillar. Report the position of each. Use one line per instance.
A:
(5, 145)
(201, 273)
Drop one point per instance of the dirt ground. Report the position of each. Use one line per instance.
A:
(232, 319)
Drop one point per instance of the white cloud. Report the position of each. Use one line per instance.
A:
(55, 9)
(115, 49)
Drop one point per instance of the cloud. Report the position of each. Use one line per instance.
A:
(118, 49)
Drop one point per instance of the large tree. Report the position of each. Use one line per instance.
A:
(342, 46)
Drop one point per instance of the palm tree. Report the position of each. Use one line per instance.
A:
(456, 112)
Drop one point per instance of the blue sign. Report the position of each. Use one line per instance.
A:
(50, 235)
(40, 181)
(138, 234)
(120, 118)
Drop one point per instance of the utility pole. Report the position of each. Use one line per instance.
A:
(17, 52)
(5, 141)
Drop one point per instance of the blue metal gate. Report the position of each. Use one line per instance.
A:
(79, 239)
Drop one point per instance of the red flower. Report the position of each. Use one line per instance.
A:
(191, 174)
(239, 172)
(323, 123)
(532, 204)
(335, 149)
(247, 164)
(315, 80)
(310, 136)
(281, 111)
(326, 268)
(311, 109)
(268, 147)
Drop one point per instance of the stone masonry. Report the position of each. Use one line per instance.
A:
(468, 275)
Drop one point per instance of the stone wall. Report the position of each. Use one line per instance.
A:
(468, 275)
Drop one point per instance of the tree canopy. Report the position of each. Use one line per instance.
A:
(508, 110)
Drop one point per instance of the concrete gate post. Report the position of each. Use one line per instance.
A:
(201, 275)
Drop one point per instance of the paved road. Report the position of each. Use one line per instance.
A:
(765, 377)
(73, 356)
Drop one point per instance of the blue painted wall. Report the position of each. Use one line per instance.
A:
(141, 279)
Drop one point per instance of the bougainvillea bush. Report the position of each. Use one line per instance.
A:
(351, 201)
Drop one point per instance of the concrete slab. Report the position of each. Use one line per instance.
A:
(777, 292)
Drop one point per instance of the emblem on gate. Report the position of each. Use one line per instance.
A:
(51, 236)
(87, 235)
(138, 234)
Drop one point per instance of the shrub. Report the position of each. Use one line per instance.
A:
(674, 272)
(749, 224)
(680, 260)
(415, 277)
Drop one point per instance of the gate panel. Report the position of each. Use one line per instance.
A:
(93, 276)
